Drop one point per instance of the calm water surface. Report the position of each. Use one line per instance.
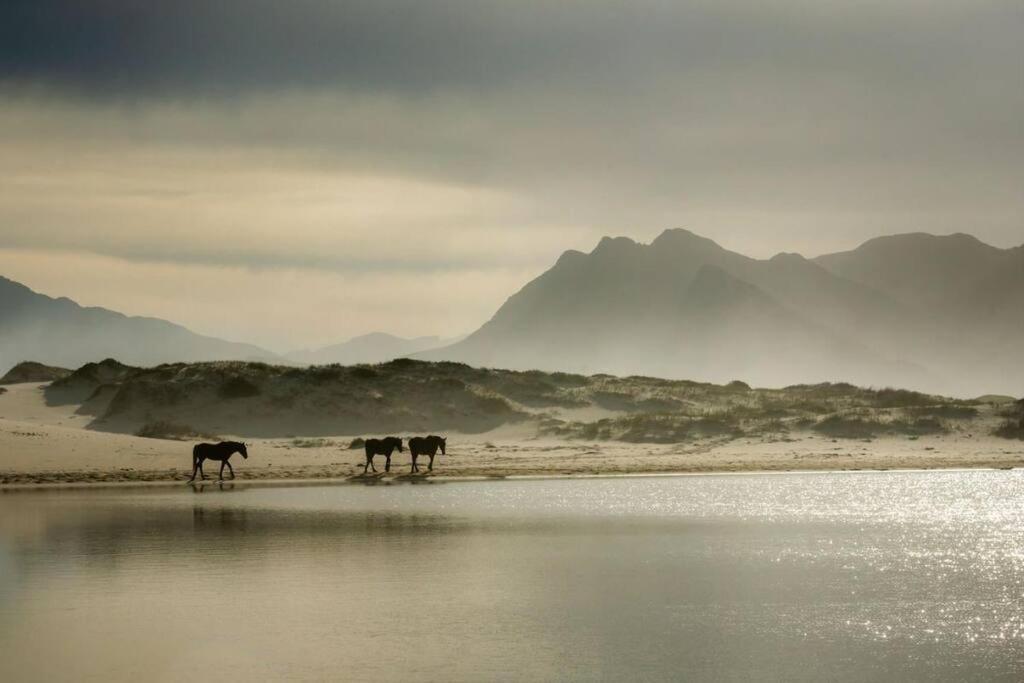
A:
(889, 576)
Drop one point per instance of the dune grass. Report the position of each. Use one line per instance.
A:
(173, 431)
(418, 396)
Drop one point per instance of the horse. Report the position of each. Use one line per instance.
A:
(419, 445)
(216, 451)
(385, 447)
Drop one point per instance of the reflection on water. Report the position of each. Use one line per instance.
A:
(796, 577)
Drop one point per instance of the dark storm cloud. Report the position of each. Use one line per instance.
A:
(118, 46)
(743, 119)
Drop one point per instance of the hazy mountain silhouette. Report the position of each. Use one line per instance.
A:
(912, 310)
(942, 314)
(60, 332)
(376, 347)
(943, 277)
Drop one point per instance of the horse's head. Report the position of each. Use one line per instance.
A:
(241, 449)
(399, 445)
(441, 442)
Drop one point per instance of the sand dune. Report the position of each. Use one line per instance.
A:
(41, 444)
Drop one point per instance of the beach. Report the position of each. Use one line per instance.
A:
(47, 445)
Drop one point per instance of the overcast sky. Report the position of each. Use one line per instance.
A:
(296, 173)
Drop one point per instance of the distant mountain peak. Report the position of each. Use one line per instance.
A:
(373, 347)
(895, 310)
(374, 336)
(675, 238)
(58, 331)
(788, 257)
(614, 245)
(570, 255)
(925, 239)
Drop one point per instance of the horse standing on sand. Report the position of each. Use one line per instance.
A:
(419, 445)
(385, 447)
(216, 451)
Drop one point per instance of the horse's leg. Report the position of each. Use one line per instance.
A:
(230, 468)
(414, 468)
(387, 465)
(220, 477)
(431, 466)
(202, 475)
(195, 466)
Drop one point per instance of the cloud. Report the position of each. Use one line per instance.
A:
(242, 209)
(416, 141)
(408, 45)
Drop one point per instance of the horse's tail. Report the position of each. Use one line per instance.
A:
(195, 452)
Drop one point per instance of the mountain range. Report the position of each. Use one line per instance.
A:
(940, 313)
(60, 332)
(375, 347)
(936, 313)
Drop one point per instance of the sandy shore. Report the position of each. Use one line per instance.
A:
(50, 445)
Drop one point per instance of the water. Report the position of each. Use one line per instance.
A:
(885, 576)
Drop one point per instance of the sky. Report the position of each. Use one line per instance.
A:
(297, 173)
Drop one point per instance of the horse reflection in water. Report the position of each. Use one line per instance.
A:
(216, 451)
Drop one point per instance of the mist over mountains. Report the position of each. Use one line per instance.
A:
(942, 314)
(935, 313)
(60, 332)
(375, 347)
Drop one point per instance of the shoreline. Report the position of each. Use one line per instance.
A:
(399, 480)
(49, 447)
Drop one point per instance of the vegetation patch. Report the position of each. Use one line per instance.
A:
(238, 387)
(1011, 429)
(949, 411)
(655, 429)
(841, 427)
(163, 429)
(995, 399)
(656, 404)
(363, 372)
(535, 390)
(614, 400)
(30, 371)
(900, 398)
(312, 443)
(323, 374)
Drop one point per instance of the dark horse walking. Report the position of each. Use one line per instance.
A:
(216, 451)
(385, 447)
(420, 445)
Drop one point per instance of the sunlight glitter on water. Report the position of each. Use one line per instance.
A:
(798, 577)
